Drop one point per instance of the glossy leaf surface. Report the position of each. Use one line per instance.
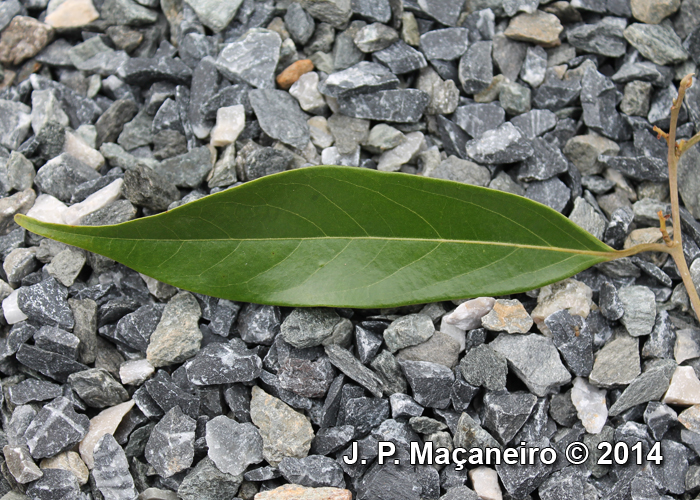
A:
(351, 237)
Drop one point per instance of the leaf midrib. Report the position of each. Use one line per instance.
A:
(593, 253)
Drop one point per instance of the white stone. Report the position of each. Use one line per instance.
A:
(97, 200)
(230, 122)
(684, 388)
(331, 156)
(5, 290)
(135, 371)
(569, 294)
(455, 332)
(320, 133)
(106, 422)
(48, 209)
(590, 405)
(76, 146)
(88, 133)
(485, 483)
(72, 14)
(392, 160)
(686, 346)
(305, 90)
(10, 308)
(46, 108)
(468, 314)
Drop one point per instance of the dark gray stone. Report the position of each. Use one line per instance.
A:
(345, 51)
(32, 390)
(364, 414)
(603, 38)
(659, 418)
(362, 78)
(505, 413)
(233, 446)
(476, 68)
(314, 471)
(310, 327)
(331, 439)
(469, 434)
(54, 485)
(227, 96)
(55, 428)
(299, 23)
(61, 176)
(350, 366)
(545, 162)
(649, 386)
(259, 324)
(46, 303)
(280, 116)
(266, 161)
(475, 119)
(445, 44)
(367, 344)
(306, 378)
(568, 484)
(53, 365)
(170, 448)
(618, 227)
(534, 359)
(534, 123)
(111, 470)
(206, 482)
(574, 341)
(400, 58)
(519, 481)
(97, 388)
(389, 372)
(162, 395)
(112, 121)
(251, 59)
(372, 10)
(552, 192)
(187, 170)
(504, 144)
(431, 383)
(402, 106)
(145, 187)
(135, 329)
(220, 363)
(599, 99)
(462, 394)
(610, 305)
(167, 118)
(144, 71)
(662, 339)
(556, 93)
(644, 71)
(656, 42)
(50, 338)
(452, 136)
(482, 366)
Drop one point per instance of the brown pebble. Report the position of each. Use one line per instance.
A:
(293, 72)
(22, 39)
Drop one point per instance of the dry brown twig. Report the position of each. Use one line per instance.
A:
(674, 246)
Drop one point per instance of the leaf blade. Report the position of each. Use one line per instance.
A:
(333, 236)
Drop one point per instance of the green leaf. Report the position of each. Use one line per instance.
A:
(350, 237)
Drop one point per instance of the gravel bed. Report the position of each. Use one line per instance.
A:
(116, 386)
